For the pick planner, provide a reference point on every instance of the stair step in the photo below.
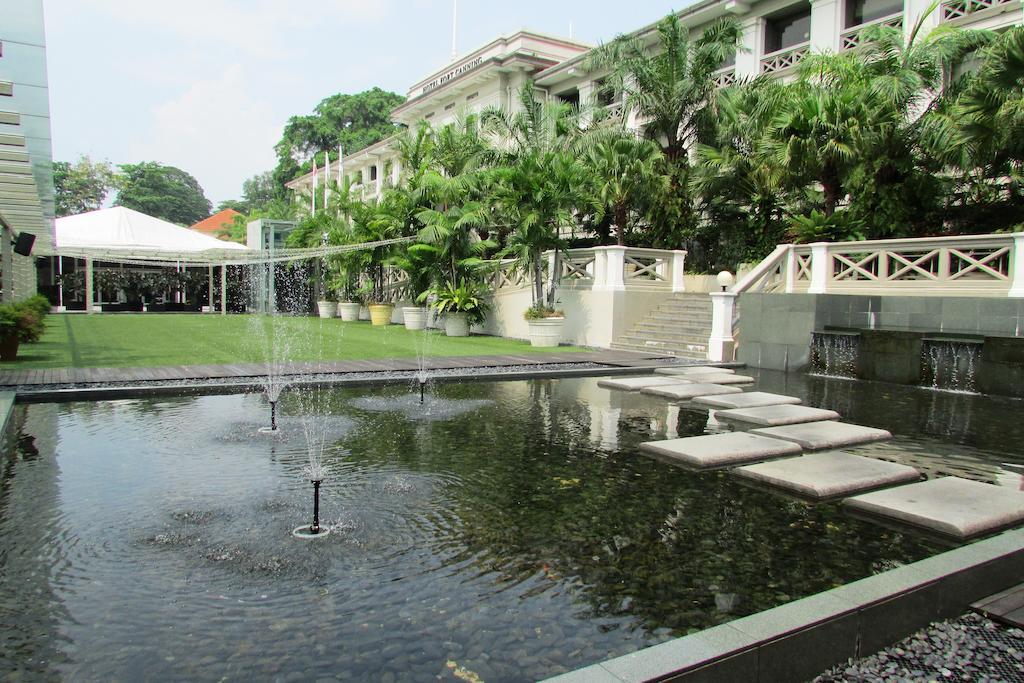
(665, 337)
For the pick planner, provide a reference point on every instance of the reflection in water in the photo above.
(519, 538)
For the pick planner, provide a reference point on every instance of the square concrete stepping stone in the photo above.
(815, 436)
(751, 399)
(638, 383)
(694, 370)
(775, 416)
(684, 392)
(950, 506)
(829, 475)
(718, 378)
(720, 450)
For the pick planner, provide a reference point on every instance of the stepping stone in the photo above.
(829, 475)
(720, 450)
(775, 416)
(684, 392)
(815, 436)
(950, 506)
(638, 383)
(718, 378)
(751, 399)
(694, 370)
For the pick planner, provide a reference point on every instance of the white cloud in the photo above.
(219, 130)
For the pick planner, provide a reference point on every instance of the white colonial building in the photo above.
(776, 35)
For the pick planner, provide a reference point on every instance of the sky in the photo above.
(208, 85)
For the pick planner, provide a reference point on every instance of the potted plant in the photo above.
(18, 323)
(461, 305)
(326, 306)
(418, 265)
(546, 324)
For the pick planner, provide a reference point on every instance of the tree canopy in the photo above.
(81, 186)
(162, 191)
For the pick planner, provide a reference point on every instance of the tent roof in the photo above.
(119, 228)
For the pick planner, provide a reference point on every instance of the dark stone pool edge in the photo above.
(7, 399)
(99, 392)
(799, 640)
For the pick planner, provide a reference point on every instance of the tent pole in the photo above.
(223, 290)
(209, 296)
(88, 286)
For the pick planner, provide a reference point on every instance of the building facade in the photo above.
(776, 36)
(26, 156)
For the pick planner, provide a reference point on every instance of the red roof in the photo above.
(215, 224)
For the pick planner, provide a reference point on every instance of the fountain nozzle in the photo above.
(314, 528)
(273, 416)
(423, 383)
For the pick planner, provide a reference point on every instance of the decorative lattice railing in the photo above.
(725, 77)
(852, 37)
(602, 267)
(958, 9)
(781, 60)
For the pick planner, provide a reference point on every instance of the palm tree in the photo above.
(626, 169)
(672, 88)
(451, 232)
(992, 107)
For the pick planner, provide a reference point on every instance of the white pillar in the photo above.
(223, 290)
(1017, 263)
(790, 273)
(614, 266)
(819, 268)
(826, 25)
(396, 171)
(7, 264)
(88, 286)
(678, 271)
(913, 10)
(721, 343)
(60, 284)
(748, 59)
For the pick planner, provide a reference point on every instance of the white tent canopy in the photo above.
(120, 229)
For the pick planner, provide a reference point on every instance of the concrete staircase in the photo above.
(680, 327)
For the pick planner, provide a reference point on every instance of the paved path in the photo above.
(49, 377)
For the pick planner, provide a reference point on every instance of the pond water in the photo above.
(506, 530)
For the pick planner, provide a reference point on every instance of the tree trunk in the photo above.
(538, 278)
(832, 190)
(620, 223)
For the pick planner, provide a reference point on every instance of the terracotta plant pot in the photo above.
(348, 311)
(380, 314)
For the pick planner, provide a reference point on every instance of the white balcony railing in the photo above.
(852, 37)
(725, 77)
(784, 59)
(958, 9)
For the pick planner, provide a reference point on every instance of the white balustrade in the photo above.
(604, 268)
(968, 266)
(852, 37)
(959, 9)
(784, 59)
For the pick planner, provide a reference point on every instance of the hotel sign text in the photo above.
(437, 82)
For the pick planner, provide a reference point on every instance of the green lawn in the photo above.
(140, 340)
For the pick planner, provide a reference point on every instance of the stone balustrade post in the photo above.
(678, 271)
(609, 266)
(1017, 274)
(721, 343)
(820, 263)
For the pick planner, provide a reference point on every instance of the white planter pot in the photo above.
(546, 331)
(364, 313)
(348, 311)
(415, 317)
(456, 325)
(325, 309)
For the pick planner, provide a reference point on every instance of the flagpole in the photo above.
(313, 193)
(327, 177)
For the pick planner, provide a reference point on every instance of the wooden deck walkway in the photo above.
(53, 377)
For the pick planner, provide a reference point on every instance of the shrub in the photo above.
(20, 320)
(540, 312)
(38, 303)
(465, 297)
